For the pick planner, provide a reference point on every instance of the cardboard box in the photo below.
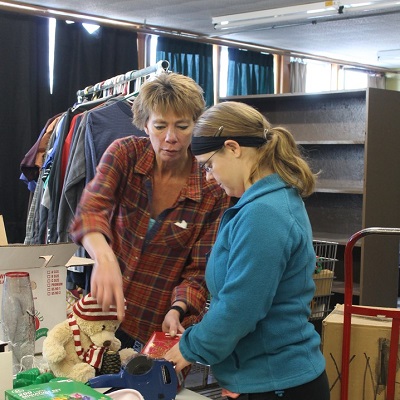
(369, 355)
(158, 344)
(46, 265)
(58, 389)
(6, 376)
(3, 235)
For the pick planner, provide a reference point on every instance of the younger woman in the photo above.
(256, 335)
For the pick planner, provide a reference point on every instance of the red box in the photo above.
(156, 347)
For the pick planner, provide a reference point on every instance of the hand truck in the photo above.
(350, 309)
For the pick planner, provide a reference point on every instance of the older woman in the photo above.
(149, 216)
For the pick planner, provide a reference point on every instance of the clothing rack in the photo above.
(119, 80)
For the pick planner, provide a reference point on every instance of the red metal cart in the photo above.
(350, 309)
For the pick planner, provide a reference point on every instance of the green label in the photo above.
(41, 333)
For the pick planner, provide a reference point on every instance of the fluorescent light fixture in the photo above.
(302, 12)
(389, 56)
(321, 10)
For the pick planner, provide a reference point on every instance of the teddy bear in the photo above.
(75, 347)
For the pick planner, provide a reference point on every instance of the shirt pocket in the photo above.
(178, 237)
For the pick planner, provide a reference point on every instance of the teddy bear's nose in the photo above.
(107, 343)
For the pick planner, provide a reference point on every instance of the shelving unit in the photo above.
(353, 139)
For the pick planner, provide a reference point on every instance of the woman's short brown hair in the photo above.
(168, 92)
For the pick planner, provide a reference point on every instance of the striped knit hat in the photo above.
(88, 309)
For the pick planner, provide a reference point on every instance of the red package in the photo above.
(156, 347)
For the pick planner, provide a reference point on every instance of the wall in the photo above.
(393, 81)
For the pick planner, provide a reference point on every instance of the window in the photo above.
(223, 71)
(52, 36)
(319, 77)
(153, 49)
(324, 76)
(351, 78)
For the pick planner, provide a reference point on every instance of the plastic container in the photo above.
(18, 319)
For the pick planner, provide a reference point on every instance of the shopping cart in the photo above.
(350, 309)
(323, 278)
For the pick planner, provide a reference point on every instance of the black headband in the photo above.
(206, 144)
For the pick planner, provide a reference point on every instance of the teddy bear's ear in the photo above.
(112, 326)
(88, 327)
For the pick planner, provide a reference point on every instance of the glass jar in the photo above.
(18, 319)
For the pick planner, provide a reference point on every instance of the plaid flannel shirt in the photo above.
(165, 263)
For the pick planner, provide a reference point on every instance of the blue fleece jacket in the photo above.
(256, 335)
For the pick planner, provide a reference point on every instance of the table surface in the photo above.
(186, 394)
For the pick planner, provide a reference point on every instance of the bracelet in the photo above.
(181, 311)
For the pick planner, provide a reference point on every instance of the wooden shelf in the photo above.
(350, 138)
(339, 186)
(338, 287)
(329, 142)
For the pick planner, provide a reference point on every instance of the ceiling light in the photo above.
(389, 56)
(321, 10)
(301, 12)
(360, 4)
(91, 28)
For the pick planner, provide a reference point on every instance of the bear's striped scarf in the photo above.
(94, 355)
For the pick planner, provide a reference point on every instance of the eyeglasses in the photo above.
(204, 165)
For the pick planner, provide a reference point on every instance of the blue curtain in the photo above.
(24, 107)
(249, 72)
(191, 59)
(82, 59)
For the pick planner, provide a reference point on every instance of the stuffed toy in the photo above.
(75, 348)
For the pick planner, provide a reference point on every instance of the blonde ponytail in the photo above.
(283, 156)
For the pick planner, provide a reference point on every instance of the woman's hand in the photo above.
(175, 356)
(171, 323)
(106, 286)
(106, 280)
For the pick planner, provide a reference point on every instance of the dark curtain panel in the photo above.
(82, 59)
(249, 72)
(190, 59)
(24, 109)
